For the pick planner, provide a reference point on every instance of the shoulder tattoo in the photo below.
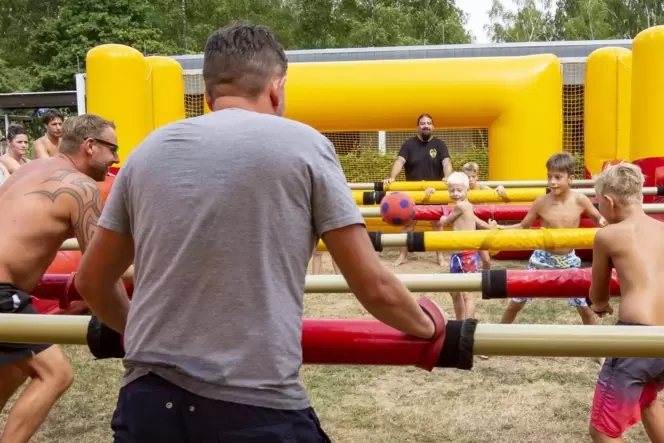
(86, 195)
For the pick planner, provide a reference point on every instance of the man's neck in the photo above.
(55, 140)
(229, 102)
(421, 139)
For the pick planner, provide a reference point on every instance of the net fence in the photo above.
(368, 156)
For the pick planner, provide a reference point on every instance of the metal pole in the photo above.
(325, 338)
(439, 185)
(322, 284)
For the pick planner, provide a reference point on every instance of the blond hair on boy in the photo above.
(624, 181)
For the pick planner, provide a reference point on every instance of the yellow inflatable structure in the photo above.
(519, 99)
(607, 108)
(138, 93)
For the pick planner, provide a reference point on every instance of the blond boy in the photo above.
(633, 244)
(471, 169)
(462, 218)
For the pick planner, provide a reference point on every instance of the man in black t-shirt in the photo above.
(427, 158)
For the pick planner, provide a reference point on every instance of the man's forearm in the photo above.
(109, 303)
(396, 168)
(394, 306)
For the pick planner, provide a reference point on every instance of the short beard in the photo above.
(425, 137)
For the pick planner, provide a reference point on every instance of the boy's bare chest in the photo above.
(561, 215)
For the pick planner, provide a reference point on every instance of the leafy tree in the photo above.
(60, 43)
(532, 21)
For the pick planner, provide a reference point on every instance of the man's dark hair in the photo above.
(15, 131)
(244, 57)
(51, 115)
(422, 116)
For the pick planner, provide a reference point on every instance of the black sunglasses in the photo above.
(113, 147)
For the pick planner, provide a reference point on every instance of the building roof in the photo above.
(572, 54)
(563, 49)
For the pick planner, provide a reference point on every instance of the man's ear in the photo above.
(207, 98)
(277, 86)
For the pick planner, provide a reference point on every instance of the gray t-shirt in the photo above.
(225, 211)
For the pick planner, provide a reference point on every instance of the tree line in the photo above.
(43, 43)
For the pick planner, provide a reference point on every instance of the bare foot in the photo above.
(399, 261)
(483, 357)
(599, 360)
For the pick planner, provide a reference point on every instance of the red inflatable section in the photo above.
(564, 283)
(561, 283)
(649, 168)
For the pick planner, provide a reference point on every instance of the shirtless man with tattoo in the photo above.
(43, 203)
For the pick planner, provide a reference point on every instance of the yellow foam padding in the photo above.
(647, 137)
(517, 98)
(507, 240)
(521, 195)
(607, 107)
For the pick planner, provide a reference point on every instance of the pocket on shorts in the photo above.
(278, 433)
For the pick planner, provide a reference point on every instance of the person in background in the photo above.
(472, 170)
(423, 158)
(48, 145)
(17, 149)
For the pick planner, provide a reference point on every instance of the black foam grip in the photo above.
(494, 284)
(379, 186)
(368, 198)
(458, 347)
(378, 197)
(415, 241)
(660, 191)
(376, 240)
(103, 341)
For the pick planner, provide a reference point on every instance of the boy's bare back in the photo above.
(635, 247)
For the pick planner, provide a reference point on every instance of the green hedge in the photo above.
(367, 165)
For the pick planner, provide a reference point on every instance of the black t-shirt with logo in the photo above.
(424, 160)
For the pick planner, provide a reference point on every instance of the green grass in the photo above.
(503, 399)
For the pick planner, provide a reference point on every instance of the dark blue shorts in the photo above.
(153, 410)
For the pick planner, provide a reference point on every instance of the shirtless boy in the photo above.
(633, 244)
(462, 218)
(44, 203)
(17, 149)
(48, 145)
(471, 169)
(562, 208)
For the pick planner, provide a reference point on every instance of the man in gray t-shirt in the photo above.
(220, 215)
